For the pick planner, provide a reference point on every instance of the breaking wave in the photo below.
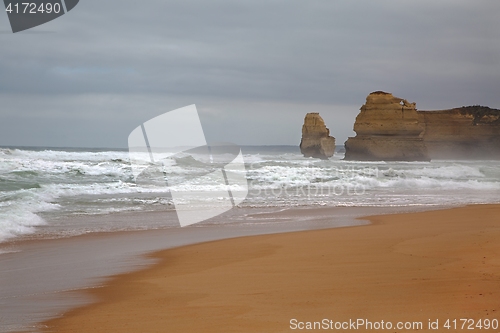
(38, 186)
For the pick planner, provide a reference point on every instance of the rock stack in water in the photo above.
(316, 140)
(387, 128)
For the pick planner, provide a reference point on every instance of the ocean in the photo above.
(42, 189)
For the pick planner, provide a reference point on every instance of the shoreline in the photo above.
(222, 281)
(43, 278)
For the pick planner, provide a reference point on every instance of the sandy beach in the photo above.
(415, 267)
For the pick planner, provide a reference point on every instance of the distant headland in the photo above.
(392, 129)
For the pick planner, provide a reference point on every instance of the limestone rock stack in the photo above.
(387, 128)
(316, 140)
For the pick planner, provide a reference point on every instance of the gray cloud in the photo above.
(254, 68)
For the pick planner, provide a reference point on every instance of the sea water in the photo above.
(41, 189)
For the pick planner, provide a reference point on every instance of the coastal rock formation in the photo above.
(471, 132)
(390, 128)
(316, 140)
(387, 128)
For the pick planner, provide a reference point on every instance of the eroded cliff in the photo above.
(390, 128)
(471, 132)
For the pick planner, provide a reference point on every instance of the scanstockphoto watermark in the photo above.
(156, 147)
(356, 324)
(316, 182)
(205, 180)
(450, 324)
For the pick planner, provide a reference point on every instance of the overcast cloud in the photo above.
(253, 68)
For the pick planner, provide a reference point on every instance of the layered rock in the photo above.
(390, 128)
(471, 132)
(316, 140)
(387, 128)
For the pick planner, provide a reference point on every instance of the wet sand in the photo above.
(415, 267)
(44, 278)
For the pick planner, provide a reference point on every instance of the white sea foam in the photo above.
(38, 185)
(20, 218)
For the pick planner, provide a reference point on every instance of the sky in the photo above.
(253, 68)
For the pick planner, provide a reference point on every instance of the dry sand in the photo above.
(435, 265)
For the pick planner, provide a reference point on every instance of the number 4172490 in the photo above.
(471, 324)
(33, 8)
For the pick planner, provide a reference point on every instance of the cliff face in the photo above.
(463, 133)
(316, 140)
(387, 128)
(390, 128)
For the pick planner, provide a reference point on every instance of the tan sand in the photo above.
(435, 265)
